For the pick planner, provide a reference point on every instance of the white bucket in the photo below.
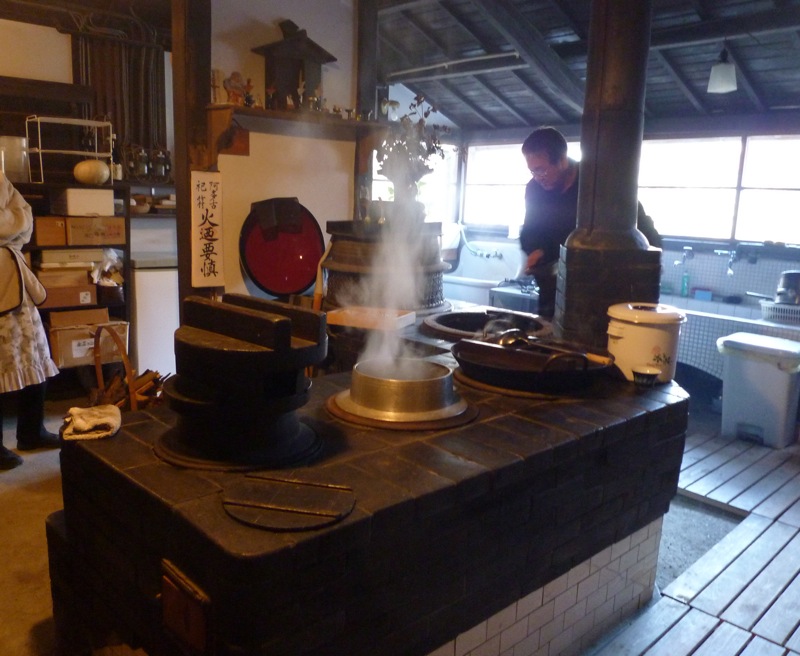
(645, 334)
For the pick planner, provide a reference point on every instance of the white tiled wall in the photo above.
(569, 614)
(709, 271)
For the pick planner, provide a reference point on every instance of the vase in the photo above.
(406, 207)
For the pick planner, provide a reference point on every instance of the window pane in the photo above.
(494, 193)
(769, 216)
(437, 189)
(772, 163)
(497, 165)
(702, 213)
(690, 163)
(501, 205)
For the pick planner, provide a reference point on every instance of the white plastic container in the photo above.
(760, 388)
(645, 334)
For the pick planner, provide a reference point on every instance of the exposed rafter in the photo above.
(387, 42)
(471, 30)
(686, 88)
(534, 49)
(743, 78)
(712, 31)
(499, 99)
(482, 65)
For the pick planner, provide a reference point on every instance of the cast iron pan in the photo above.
(280, 246)
(529, 369)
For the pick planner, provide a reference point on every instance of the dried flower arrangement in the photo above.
(410, 143)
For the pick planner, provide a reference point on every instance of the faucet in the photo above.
(688, 254)
(733, 257)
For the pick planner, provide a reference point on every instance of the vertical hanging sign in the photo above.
(207, 262)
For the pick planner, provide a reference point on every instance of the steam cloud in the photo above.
(395, 282)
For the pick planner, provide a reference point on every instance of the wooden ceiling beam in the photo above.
(680, 81)
(498, 96)
(710, 31)
(386, 41)
(515, 70)
(461, 68)
(396, 6)
(533, 49)
(743, 79)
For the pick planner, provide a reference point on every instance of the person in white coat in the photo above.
(25, 362)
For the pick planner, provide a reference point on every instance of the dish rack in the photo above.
(99, 136)
(780, 312)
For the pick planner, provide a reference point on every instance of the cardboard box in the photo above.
(68, 318)
(84, 202)
(72, 296)
(72, 337)
(50, 231)
(63, 277)
(68, 255)
(95, 230)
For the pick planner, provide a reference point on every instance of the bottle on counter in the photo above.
(685, 284)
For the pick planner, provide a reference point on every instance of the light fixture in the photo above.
(723, 75)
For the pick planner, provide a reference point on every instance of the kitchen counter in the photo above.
(449, 527)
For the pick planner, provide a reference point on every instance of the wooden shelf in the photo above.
(229, 127)
(40, 195)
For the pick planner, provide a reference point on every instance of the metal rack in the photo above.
(102, 133)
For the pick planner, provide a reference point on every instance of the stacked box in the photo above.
(84, 202)
(72, 337)
(95, 230)
(50, 231)
(70, 296)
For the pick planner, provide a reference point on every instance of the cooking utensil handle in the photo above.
(549, 348)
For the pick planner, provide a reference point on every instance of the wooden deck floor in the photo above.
(742, 598)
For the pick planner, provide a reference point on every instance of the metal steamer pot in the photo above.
(788, 292)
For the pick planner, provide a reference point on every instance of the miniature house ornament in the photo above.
(293, 67)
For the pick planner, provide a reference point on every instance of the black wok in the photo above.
(530, 368)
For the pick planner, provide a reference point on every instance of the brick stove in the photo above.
(425, 533)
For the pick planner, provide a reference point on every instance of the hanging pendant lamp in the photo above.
(723, 75)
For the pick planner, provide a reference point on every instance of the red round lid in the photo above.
(280, 246)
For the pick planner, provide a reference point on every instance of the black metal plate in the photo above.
(279, 504)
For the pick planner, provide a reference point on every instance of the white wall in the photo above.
(35, 52)
(319, 172)
(240, 25)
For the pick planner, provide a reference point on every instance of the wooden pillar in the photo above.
(191, 62)
(367, 57)
(367, 54)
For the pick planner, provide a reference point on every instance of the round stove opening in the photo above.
(401, 393)
(485, 323)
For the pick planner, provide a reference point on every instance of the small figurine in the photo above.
(236, 88)
(249, 98)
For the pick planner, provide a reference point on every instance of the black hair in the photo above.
(546, 140)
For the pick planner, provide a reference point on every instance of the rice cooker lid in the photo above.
(647, 313)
